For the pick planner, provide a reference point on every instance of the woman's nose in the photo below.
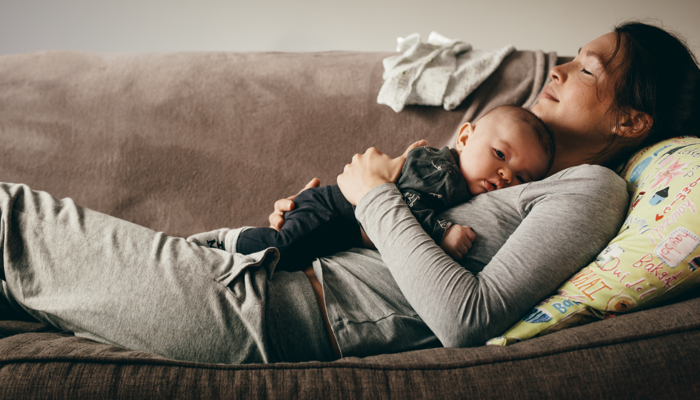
(558, 73)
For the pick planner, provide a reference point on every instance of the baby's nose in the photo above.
(505, 180)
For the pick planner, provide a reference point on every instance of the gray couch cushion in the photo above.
(644, 354)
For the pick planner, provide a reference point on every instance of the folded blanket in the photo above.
(440, 71)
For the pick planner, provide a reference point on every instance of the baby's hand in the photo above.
(457, 241)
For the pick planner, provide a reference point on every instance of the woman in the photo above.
(118, 283)
(623, 91)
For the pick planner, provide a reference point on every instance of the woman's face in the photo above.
(577, 101)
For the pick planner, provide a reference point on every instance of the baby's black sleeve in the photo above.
(425, 209)
(430, 183)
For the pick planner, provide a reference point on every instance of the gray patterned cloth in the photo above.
(438, 72)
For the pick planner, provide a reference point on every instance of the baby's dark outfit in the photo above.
(323, 221)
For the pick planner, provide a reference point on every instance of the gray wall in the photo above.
(318, 25)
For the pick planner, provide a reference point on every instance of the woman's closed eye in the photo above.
(588, 77)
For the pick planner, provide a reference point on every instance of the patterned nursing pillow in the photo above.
(655, 256)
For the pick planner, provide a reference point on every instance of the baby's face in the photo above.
(499, 152)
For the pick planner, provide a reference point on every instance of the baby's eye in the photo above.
(500, 155)
(586, 72)
(520, 179)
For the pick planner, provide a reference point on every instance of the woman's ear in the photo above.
(634, 124)
(464, 132)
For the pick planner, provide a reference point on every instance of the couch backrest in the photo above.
(187, 142)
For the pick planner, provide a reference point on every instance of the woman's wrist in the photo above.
(369, 199)
(355, 191)
(369, 170)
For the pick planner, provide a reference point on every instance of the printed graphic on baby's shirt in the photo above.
(411, 198)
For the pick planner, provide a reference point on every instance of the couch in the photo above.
(189, 142)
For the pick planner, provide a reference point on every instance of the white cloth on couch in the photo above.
(440, 71)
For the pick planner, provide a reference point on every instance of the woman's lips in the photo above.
(548, 94)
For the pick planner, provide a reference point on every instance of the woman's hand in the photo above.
(284, 205)
(371, 169)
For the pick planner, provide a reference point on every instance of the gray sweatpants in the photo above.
(119, 283)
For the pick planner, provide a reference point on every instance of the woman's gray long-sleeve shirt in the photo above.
(411, 295)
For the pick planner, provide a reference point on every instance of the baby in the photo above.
(506, 147)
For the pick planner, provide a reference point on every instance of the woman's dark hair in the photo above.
(658, 75)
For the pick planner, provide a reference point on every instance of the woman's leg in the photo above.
(119, 283)
(295, 325)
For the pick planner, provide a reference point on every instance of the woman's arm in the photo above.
(387, 172)
(558, 226)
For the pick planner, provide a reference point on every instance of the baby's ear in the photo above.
(464, 132)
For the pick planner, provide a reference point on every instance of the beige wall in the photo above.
(317, 25)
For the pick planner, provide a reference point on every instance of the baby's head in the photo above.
(506, 147)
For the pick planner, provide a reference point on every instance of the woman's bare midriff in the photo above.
(318, 292)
